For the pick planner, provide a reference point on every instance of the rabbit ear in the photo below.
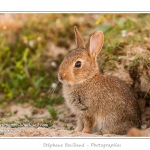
(79, 39)
(96, 43)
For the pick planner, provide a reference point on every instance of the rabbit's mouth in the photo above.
(66, 82)
(63, 79)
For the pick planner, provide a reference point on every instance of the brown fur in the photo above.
(137, 132)
(101, 103)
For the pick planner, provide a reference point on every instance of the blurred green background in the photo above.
(33, 45)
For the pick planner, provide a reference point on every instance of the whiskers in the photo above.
(52, 89)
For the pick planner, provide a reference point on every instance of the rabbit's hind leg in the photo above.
(118, 129)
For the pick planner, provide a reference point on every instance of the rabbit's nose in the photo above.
(61, 75)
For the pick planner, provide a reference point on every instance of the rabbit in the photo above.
(103, 104)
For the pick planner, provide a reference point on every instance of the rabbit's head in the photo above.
(80, 64)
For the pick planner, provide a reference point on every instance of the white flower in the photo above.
(53, 85)
(124, 33)
(31, 43)
(53, 64)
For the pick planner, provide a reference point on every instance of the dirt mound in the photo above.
(132, 66)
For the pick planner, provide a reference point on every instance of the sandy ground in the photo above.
(24, 114)
(28, 121)
(44, 132)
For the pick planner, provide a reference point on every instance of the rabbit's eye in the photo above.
(78, 64)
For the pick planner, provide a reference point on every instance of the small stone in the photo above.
(1, 132)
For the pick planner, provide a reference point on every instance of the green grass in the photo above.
(68, 128)
(53, 112)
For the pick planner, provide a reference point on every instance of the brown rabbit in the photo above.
(101, 103)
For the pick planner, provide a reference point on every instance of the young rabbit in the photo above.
(101, 103)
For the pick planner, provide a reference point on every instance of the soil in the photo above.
(24, 114)
(60, 128)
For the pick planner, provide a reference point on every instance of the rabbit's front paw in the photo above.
(78, 129)
(87, 130)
